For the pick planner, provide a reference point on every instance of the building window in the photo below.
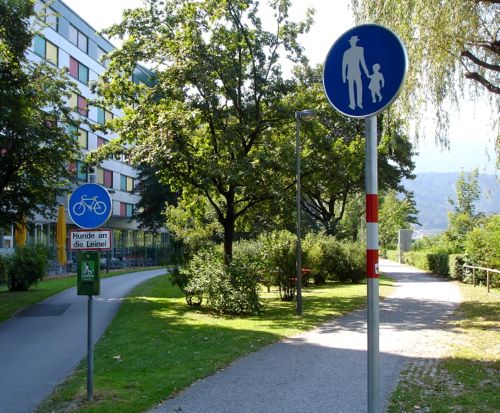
(83, 138)
(46, 14)
(46, 49)
(78, 38)
(81, 171)
(101, 141)
(99, 176)
(126, 210)
(82, 135)
(101, 57)
(78, 70)
(126, 183)
(108, 178)
(79, 103)
(104, 116)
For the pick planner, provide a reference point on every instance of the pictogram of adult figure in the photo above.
(353, 58)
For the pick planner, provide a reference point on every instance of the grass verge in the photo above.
(12, 302)
(157, 345)
(468, 379)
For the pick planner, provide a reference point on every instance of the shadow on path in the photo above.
(325, 370)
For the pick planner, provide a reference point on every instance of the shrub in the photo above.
(312, 257)
(436, 263)
(354, 268)
(392, 255)
(26, 267)
(331, 259)
(3, 269)
(227, 289)
(482, 244)
(455, 264)
(278, 259)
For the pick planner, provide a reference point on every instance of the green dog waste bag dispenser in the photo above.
(88, 282)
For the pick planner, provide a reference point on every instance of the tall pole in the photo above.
(371, 190)
(298, 262)
(90, 353)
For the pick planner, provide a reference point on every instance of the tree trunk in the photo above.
(228, 224)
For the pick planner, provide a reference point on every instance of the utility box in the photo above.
(404, 242)
(88, 282)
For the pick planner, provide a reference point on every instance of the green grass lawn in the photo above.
(12, 302)
(157, 345)
(468, 379)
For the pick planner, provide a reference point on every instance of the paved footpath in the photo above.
(41, 345)
(325, 370)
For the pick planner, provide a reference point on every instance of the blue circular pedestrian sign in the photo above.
(90, 206)
(365, 70)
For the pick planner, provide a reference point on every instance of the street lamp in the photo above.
(306, 116)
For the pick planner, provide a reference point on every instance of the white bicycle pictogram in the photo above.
(89, 203)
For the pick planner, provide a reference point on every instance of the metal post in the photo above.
(90, 353)
(371, 181)
(299, 243)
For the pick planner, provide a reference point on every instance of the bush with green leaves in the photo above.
(226, 289)
(279, 261)
(392, 255)
(330, 259)
(482, 244)
(436, 263)
(354, 262)
(456, 265)
(3, 269)
(312, 256)
(26, 267)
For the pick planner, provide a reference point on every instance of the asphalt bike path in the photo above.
(41, 345)
(325, 370)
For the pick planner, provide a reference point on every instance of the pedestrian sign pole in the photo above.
(363, 74)
(90, 207)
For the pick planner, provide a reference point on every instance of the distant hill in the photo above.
(432, 191)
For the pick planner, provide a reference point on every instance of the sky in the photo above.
(471, 131)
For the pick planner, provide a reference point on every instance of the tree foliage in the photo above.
(207, 123)
(155, 197)
(35, 146)
(482, 244)
(333, 153)
(395, 214)
(463, 218)
(449, 43)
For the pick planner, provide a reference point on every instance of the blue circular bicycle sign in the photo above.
(90, 206)
(365, 70)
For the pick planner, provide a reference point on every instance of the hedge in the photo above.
(392, 255)
(436, 263)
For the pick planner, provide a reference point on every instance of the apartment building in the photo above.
(67, 41)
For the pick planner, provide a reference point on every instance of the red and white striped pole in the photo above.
(371, 190)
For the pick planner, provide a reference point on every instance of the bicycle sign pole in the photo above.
(89, 207)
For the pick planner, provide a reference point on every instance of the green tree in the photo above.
(155, 197)
(448, 42)
(35, 146)
(334, 155)
(463, 218)
(395, 214)
(207, 123)
(482, 244)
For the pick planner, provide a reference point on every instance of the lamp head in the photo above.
(305, 115)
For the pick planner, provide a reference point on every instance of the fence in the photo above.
(488, 271)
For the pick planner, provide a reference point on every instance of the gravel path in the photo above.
(324, 370)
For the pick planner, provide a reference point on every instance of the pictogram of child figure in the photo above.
(376, 83)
